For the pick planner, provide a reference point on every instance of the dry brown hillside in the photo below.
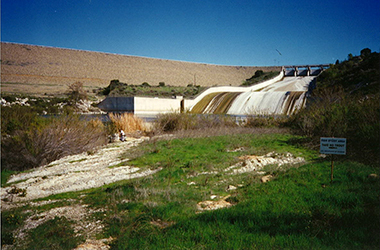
(38, 70)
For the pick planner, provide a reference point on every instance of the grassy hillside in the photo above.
(39, 70)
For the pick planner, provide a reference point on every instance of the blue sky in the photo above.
(225, 32)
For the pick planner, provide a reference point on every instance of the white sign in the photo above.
(333, 146)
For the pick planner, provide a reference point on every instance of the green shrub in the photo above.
(336, 114)
(145, 84)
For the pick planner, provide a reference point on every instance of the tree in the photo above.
(145, 84)
(76, 92)
(365, 52)
(259, 73)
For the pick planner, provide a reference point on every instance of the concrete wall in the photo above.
(154, 105)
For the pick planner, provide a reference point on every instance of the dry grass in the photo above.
(127, 122)
(39, 70)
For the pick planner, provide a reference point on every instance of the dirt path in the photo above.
(73, 173)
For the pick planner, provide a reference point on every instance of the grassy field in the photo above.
(298, 209)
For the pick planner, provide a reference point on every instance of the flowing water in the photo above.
(275, 98)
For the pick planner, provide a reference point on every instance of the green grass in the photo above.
(298, 209)
(5, 174)
(54, 234)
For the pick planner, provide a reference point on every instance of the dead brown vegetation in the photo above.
(127, 122)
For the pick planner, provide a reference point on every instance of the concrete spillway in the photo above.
(282, 95)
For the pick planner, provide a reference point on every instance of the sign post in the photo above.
(332, 146)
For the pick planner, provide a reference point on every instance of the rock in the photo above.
(93, 245)
(266, 178)
(373, 176)
(231, 187)
(213, 205)
(250, 163)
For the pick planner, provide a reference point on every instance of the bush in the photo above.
(259, 76)
(44, 140)
(259, 73)
(265, 121)
(336, 114)
(145, 84)
(76, 92)
(175, 121)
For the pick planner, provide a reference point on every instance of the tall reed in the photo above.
(127, 122)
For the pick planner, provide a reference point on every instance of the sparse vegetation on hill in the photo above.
(260, 76)
(346, 104)
(117, 88)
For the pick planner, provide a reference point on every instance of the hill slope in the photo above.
(38, 70)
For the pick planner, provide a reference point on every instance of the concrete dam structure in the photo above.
(281, 95)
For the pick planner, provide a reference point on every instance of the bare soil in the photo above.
(40, 70)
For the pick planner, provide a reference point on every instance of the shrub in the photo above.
(76, 92)
(265, 121)
(145, 84)
(335, 114)
(46, 140)
(259, 73)
(259, 76)
(187, 121)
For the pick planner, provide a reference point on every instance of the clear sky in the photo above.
(225, 32)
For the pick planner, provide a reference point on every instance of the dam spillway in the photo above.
(279, 96)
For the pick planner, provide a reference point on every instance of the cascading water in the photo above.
(272, 97)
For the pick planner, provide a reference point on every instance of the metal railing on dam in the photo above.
(304, 70)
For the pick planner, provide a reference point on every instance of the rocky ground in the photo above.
(73, 173)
